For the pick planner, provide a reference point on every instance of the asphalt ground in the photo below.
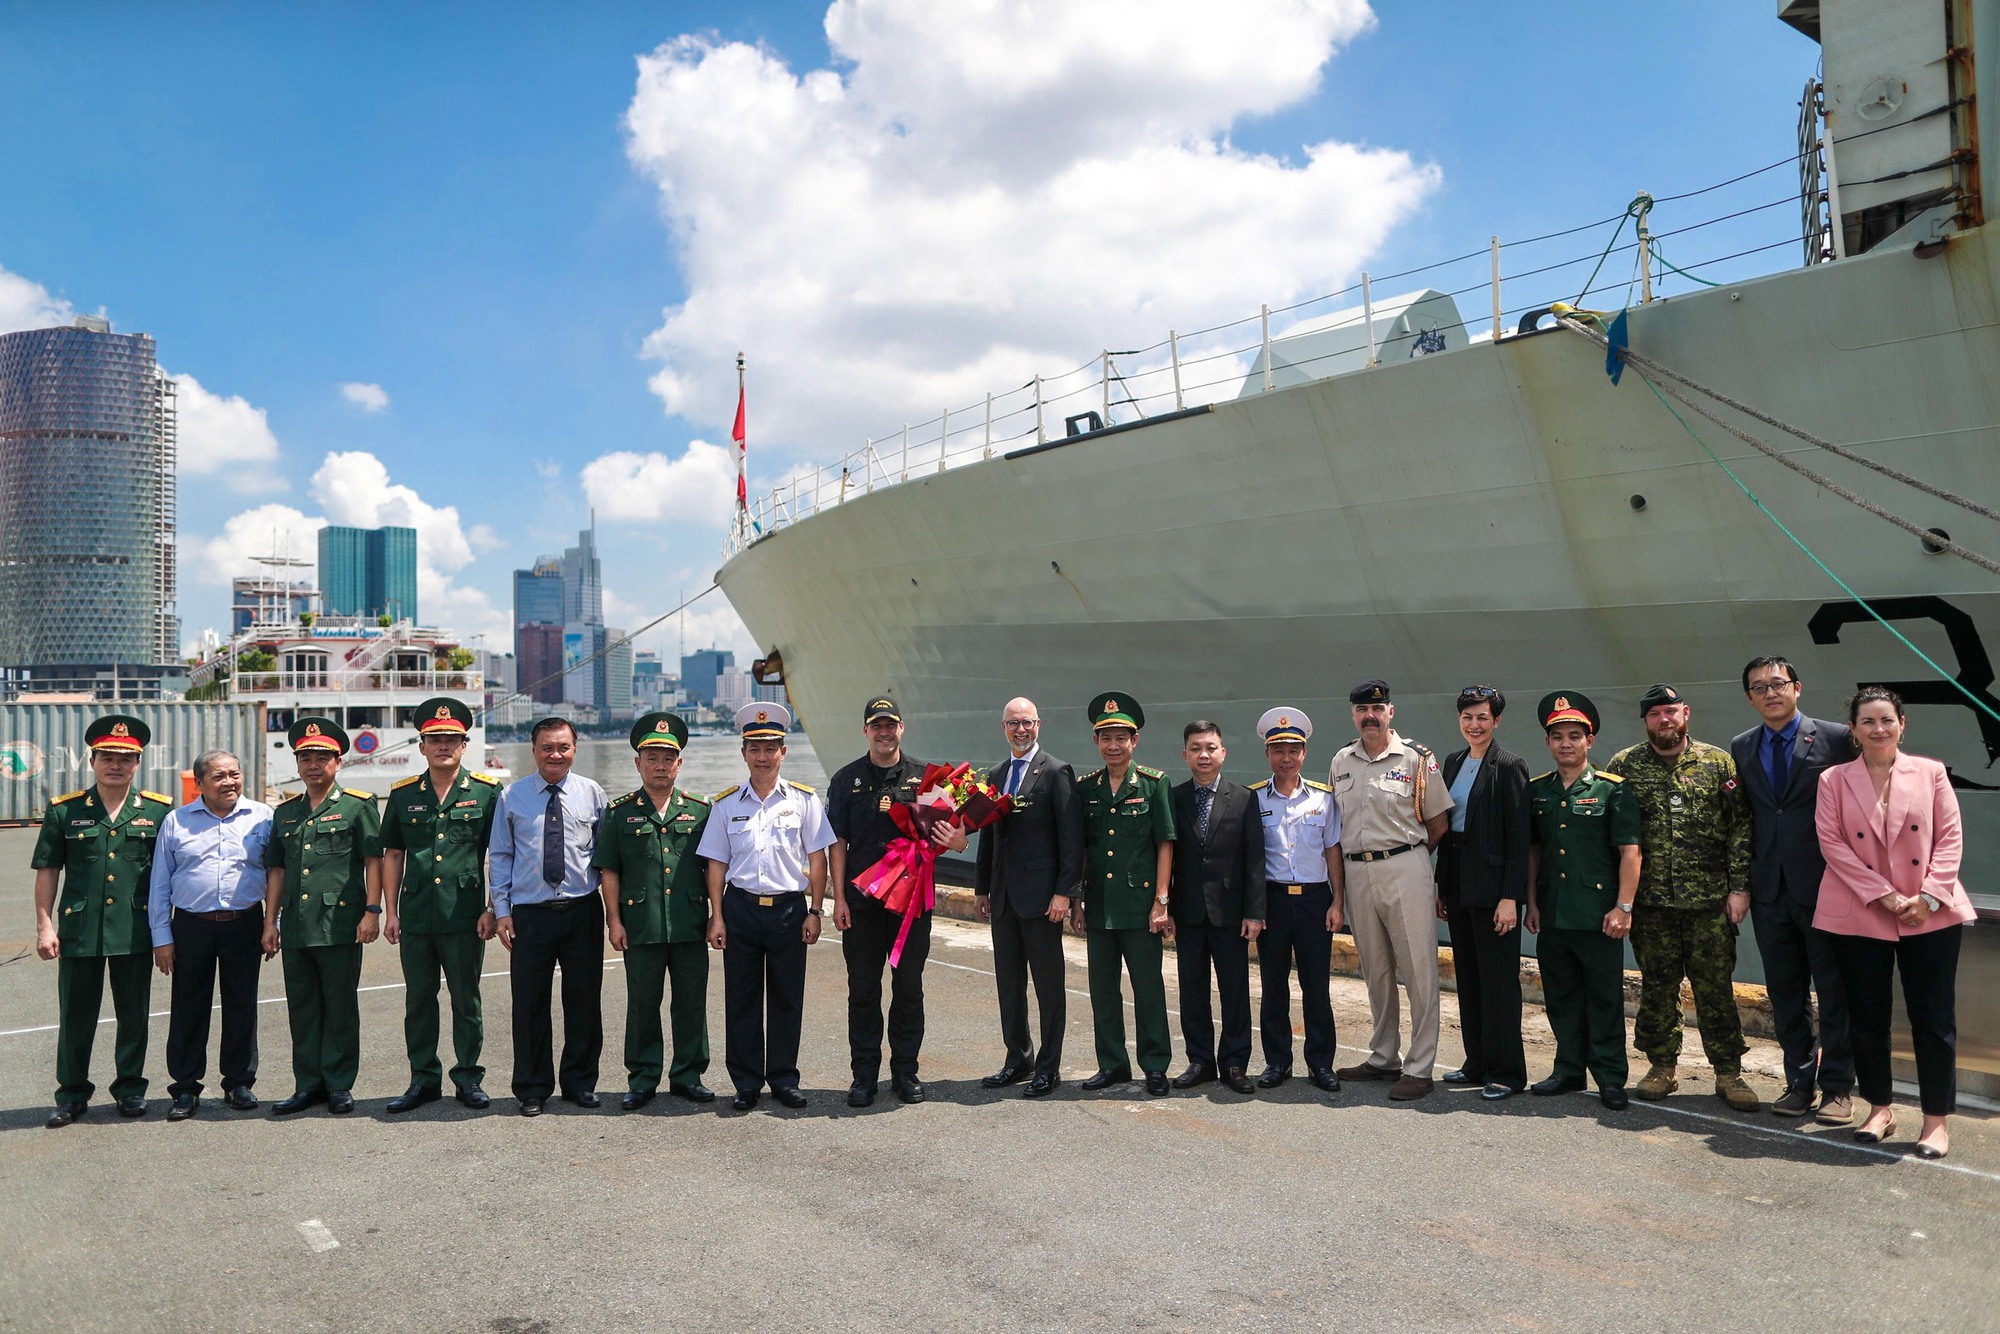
(977, 1209)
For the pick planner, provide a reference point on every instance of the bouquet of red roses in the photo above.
(905, 880)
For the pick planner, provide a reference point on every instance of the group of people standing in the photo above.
(1842, 849)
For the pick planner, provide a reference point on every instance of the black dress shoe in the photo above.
(64, 1114)
(298, 1102)
(1157, 1083)
(861, 1093)
(692, 1092)
(1273, 1075)
(634, 1099)
(413, 1097)
(532, 1106)
(241, 1099)
(588, 1099)
(791, 1097)
(1615, 1098)
(135, 1105)
(1496, 1091)
(474, 1097)
(1104, 1079)
(743, 1102)
(1194, 1076)
(1237, 1081)
(184, 1107)
(1556, 1084)
(1005, 1075)
(1458, 1076)
(1327, 1080)
(909, 1089)
(1041, 1086)
(340, 1102)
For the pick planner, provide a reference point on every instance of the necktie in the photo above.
(552, 838)
(1014, 770)
(1781, 764)
(1203, 796)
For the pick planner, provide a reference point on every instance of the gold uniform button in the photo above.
(306, 870)
(110, 879)
(1562, 852)
(437, 880)
(109, 902)
(304, 898)
(112, 855)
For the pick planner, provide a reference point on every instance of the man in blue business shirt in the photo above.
(206, 912)
(547, 912)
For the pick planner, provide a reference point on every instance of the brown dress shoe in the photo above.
(1366, 1071)
(1237, 1081)
(1410, 1088)
(1835, 1111)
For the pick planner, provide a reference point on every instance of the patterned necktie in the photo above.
(552, 838)
(1781, 764)
(1014, 775)
(1203, 796)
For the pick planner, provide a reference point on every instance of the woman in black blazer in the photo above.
(1482, 877)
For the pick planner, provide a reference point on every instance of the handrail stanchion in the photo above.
(1496, 289)
(906, 453)
(868, 468)
(989, 425)
(1041, 435)
(944, 436)
(1174, 351)
(1269, 383)
(1368, 318)
(1106, 368)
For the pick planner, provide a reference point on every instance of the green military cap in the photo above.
(660, 729)
(1115, 708)
(1567, 706)
(443, 716)
(118, 732)
(317, 734)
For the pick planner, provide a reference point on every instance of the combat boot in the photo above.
(1658, 1083)
(1731, 1089)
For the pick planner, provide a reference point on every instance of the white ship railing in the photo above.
(1742, 227)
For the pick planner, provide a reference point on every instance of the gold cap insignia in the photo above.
(763, 717)
(1562, 701)
(1111, 706)
(443, 711)
(120, 729)
(312, 729)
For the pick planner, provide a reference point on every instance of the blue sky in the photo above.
(439, 201)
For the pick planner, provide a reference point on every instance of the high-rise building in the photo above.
(87, 510)
(649, 679)
(368, 571)
(700, 669)
(732, 689)
(583, 665)
(538, 593)
(538, 661)
(583, 580)
(615, 669)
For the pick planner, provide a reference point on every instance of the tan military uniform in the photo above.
(1390, 895)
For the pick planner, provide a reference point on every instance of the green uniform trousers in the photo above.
(647, 970)
(320, 998)
(79, 995)
(1140, 952)
(458, 955)
(1583, 989)
(1700, 945)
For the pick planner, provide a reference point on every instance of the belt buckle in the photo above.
(764, 900)
(1295, 890)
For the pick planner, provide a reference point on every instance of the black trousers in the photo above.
(763, 988)
(204, 951)
(1025, 947)
(1488, 966)
(546, 935)
(1798, 961)
(1929, 965)
(1295, 937)
(1202, 947)
(865, 945)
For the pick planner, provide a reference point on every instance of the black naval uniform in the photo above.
(857, 807)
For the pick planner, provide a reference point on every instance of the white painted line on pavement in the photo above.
(319, 1236)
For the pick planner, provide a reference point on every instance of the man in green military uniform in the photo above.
(1694, 889)
(99, 843)
(434, 901)
(1583, 875)
(322, 898)
(656, 909)
(1128, 859)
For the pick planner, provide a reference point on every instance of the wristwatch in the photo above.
(814, 912)
(1625, 908)
(1930, 902)
(373, 907)
(1161, 900)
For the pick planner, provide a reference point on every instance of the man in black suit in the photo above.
(1779, 764)
(1029, 865)
(1217, 906)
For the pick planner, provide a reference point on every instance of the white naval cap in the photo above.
(763, 721)
(1284, 724)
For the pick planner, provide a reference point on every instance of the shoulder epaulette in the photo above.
(802, 786)
(1318, 786)
(1085, 778)
(487, 779)
(1150, 772)
(399, 786)
(696, 797)
(620, 801)
(158, 796)
(728, 792)
(1539, 777)
(357, 792)
(71, 796)
(1419, 747)
(1260, 785)
(1611, 778)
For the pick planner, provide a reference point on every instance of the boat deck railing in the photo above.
(319, 682)
(1736, 228)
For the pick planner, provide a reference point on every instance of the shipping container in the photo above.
(42, 754)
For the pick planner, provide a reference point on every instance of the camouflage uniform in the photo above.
(1695, 846)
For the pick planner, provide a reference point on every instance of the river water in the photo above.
(708, 765)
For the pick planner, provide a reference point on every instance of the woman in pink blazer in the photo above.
(1888, 824)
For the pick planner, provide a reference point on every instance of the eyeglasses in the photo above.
(1771, 687)
(1024, 722)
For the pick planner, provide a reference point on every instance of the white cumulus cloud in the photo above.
(268, 530)
(26, 304)
(979, 192)
(698, 487)
(226, 437)
(367, 397)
